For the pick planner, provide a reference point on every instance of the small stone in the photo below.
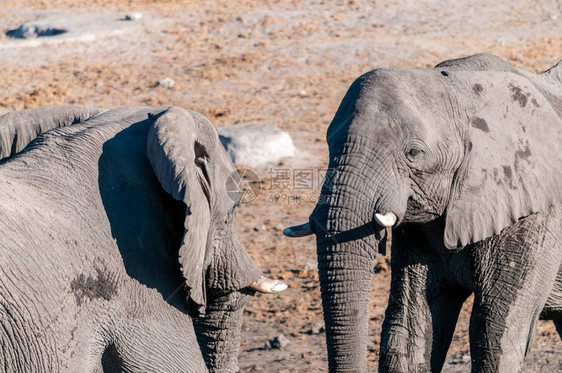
(302, 93)
(135, 16)
(318, 327)
(382, 267)
(466, 359)
(338, 16)
(311, 265)
(165, 82)
(278, 342)
(259, 227)
(268, 20)
(279, 227)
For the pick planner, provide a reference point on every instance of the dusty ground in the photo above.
(288, 62)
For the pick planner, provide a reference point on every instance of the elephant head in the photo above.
(191, 165)
(466, 149)
(187, 159)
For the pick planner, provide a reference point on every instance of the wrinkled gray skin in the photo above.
(113, 231)
(468, 155)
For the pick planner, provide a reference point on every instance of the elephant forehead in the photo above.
(403, 120)
(413, 100)
(404, 84)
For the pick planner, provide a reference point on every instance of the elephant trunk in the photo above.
(347, 240)
(345, 266)
(345, 285)
(218, 331)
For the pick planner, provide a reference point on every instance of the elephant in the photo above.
(459, 167)
(118, 243)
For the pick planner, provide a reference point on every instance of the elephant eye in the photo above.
(414, 152)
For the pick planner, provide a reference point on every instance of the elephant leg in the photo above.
(160, 343)
(508, 300)
(445, 309)
(420, 318)
(499, 343)
(139, 332)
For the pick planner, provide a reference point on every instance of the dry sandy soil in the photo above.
(287, 62)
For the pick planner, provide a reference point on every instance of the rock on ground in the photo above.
(44, 28)
(277, 343)
(165, 82)
(135, 16)
(30, 31)
(253, 145)
(318, 327)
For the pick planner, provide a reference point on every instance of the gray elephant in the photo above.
(464, 163)
(115, 227)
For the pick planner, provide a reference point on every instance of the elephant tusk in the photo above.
(387, 220)
(388, 239)
(267, 285)
(298, 230)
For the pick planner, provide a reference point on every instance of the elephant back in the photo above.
(19, 128)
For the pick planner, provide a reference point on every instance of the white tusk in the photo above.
(387, 220)
(298, 230)
(268, 285)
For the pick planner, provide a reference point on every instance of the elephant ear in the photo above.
(176, 158)
(513, 158)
